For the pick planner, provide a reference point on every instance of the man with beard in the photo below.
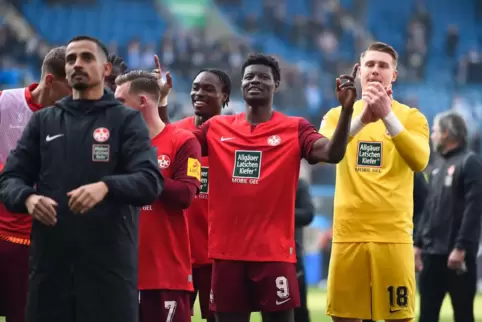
(92, 163)
(447, 239)
(16, 108)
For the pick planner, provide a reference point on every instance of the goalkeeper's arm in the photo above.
(411, 140)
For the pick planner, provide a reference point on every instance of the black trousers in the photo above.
(301, 313)
(436, 280)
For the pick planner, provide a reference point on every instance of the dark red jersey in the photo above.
(164, 251)
(197, 213)
(253, 177)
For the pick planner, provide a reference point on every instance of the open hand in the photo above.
(87, 197)
(346, 92)
(42, 209)
(378, 99)
(165, 86)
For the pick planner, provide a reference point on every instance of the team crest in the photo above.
(451, 170)
(163, 161)
(274, 140)
(101, 134)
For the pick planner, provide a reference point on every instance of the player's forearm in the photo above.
(163, 112)
(177, 193)
(414, 149)
(333, 151)
(356, 126)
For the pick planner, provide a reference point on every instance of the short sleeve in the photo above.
(307, 136)
(329, 122)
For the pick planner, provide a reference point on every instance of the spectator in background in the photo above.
(447, 239)
(452, 40)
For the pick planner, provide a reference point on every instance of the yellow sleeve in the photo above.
(413, 142)
(329, 122)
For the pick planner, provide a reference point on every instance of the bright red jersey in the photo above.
(164, 252)
(197, 213)
(16, 108)
(252, 184)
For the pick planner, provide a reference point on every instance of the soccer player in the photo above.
(165, 275)
(371, 274)
(16, 108)
(93, 164)
(254, 162)
(209, 94)
(119, 67)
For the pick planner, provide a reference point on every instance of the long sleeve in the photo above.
(413, 142)
(141, 181)
(304, 209)
(469, 232)
(181, 189)
(21, 169)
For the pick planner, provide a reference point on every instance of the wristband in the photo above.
(393, 124)
(356, 126)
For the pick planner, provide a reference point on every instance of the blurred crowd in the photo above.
(307, 90)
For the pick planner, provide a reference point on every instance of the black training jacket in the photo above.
(85, 267)
(453, 210)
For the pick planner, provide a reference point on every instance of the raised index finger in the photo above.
(157, 63)
(355, 70)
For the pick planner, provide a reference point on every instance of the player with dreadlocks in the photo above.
(119, 67)
(209, 94)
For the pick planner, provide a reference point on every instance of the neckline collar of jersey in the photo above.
(29, 99)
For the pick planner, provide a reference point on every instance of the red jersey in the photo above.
(15, 112)
(197, 213)
(253, 178)
(164, 252)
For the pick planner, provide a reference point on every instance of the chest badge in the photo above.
(163, 161)
(101, 134)
(274, 140)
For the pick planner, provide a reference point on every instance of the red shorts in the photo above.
(13, 280)
(165, 305)
(239, 286)
(201, 277)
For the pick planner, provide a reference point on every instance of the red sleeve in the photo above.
(183, 186)
(201, 134)
(307, 136)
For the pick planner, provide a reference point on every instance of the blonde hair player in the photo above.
(372, 268)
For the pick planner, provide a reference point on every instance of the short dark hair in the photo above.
(117, 61)
(54, 63)
(266, 60)
(384, 48)
(99, 43)
(454, 124)
(140, 81)
(224, 78)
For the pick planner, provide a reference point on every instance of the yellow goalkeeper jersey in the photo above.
(374, 181)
